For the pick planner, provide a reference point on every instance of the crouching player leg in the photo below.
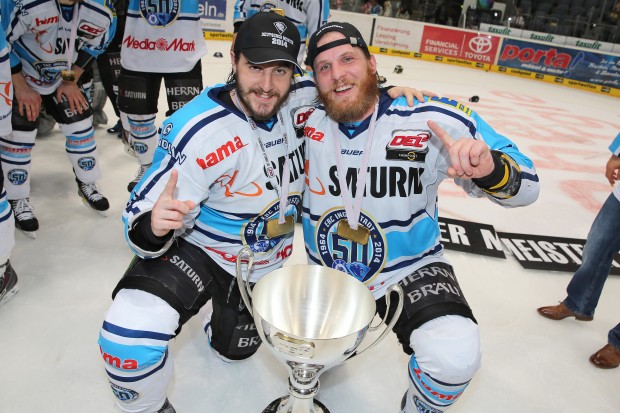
(152, 302)
(439, 331)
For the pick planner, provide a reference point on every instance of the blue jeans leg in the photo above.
(584, 289)
(614, 337)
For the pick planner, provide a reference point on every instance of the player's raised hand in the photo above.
(168, 212)
(470, 158)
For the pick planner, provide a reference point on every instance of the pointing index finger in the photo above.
(171, 185)
(443, 136)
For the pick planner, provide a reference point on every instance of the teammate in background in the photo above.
(44, 73)
(307, 15)
(370, 207)
(8, 277)
(162, 40)
(228, 172)
(586, 286)
(109, 63)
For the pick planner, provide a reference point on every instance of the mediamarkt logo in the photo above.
(178, 45)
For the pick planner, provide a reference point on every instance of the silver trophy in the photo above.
(311, 318)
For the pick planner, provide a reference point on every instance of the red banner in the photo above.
(475, 47)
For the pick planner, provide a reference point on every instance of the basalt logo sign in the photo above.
(476, 47)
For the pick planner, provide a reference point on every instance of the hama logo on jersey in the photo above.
(363, 262)
(124, 394)
(408, 145)
(45, 20)
(17, 176)
(300, 116)
(221, 153)
(313, 134)
(159, 13)
(255, 231)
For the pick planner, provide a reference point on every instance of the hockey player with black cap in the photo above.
(399, 155)
(229, 168)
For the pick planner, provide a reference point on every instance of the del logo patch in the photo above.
(408, 145)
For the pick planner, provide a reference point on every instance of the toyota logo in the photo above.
(480, 44)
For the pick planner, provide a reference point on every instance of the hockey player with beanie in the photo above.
(381, 224)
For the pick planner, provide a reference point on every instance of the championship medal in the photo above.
(275, 229)
(359, 235)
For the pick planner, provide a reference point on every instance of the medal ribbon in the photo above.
(281, 190)
(71, 47)
(353, 207)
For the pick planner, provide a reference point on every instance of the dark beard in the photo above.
(353, 111)
(259, 116)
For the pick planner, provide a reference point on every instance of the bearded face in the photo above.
(348, 99)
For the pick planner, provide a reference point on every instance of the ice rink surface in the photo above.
(50, 361)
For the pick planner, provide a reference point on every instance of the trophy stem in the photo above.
(290, 404)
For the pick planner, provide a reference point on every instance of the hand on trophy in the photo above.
(168, 212)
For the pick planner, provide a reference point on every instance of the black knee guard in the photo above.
(429, 292)
(137, 94)
(19, 122)
(234, 333)
(182, 87)
(180, 277)
(61, 111)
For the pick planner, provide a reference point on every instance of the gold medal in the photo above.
(359, 235)
(275, 229)
(278, 11)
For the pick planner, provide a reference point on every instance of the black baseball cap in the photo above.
(352, 36)
(268, 37)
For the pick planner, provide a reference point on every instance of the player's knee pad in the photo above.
(134, 95)
(21, 122)
(233, 332)
(133, 342)
(61, 110)
(180, 277)
(180, 91)
(446, 356)
(448, 348)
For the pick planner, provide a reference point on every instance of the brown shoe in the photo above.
(606, 358)
(560, 312)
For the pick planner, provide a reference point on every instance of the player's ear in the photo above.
(233, 61)
(373, 64)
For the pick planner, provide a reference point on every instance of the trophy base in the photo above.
(275, 405)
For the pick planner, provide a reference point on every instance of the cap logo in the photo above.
(280, 27)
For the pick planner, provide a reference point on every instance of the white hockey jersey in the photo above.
(407, 164)
(163, 36)
(222, 169)
(308, 15)
(38, 35)
(6, 89)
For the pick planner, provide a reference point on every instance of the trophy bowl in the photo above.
(311, 318)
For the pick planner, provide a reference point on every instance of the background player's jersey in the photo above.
(222, 169)
(308, 15)
(163, 36)
(6, 89)
(38, 36)
(407, 164)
